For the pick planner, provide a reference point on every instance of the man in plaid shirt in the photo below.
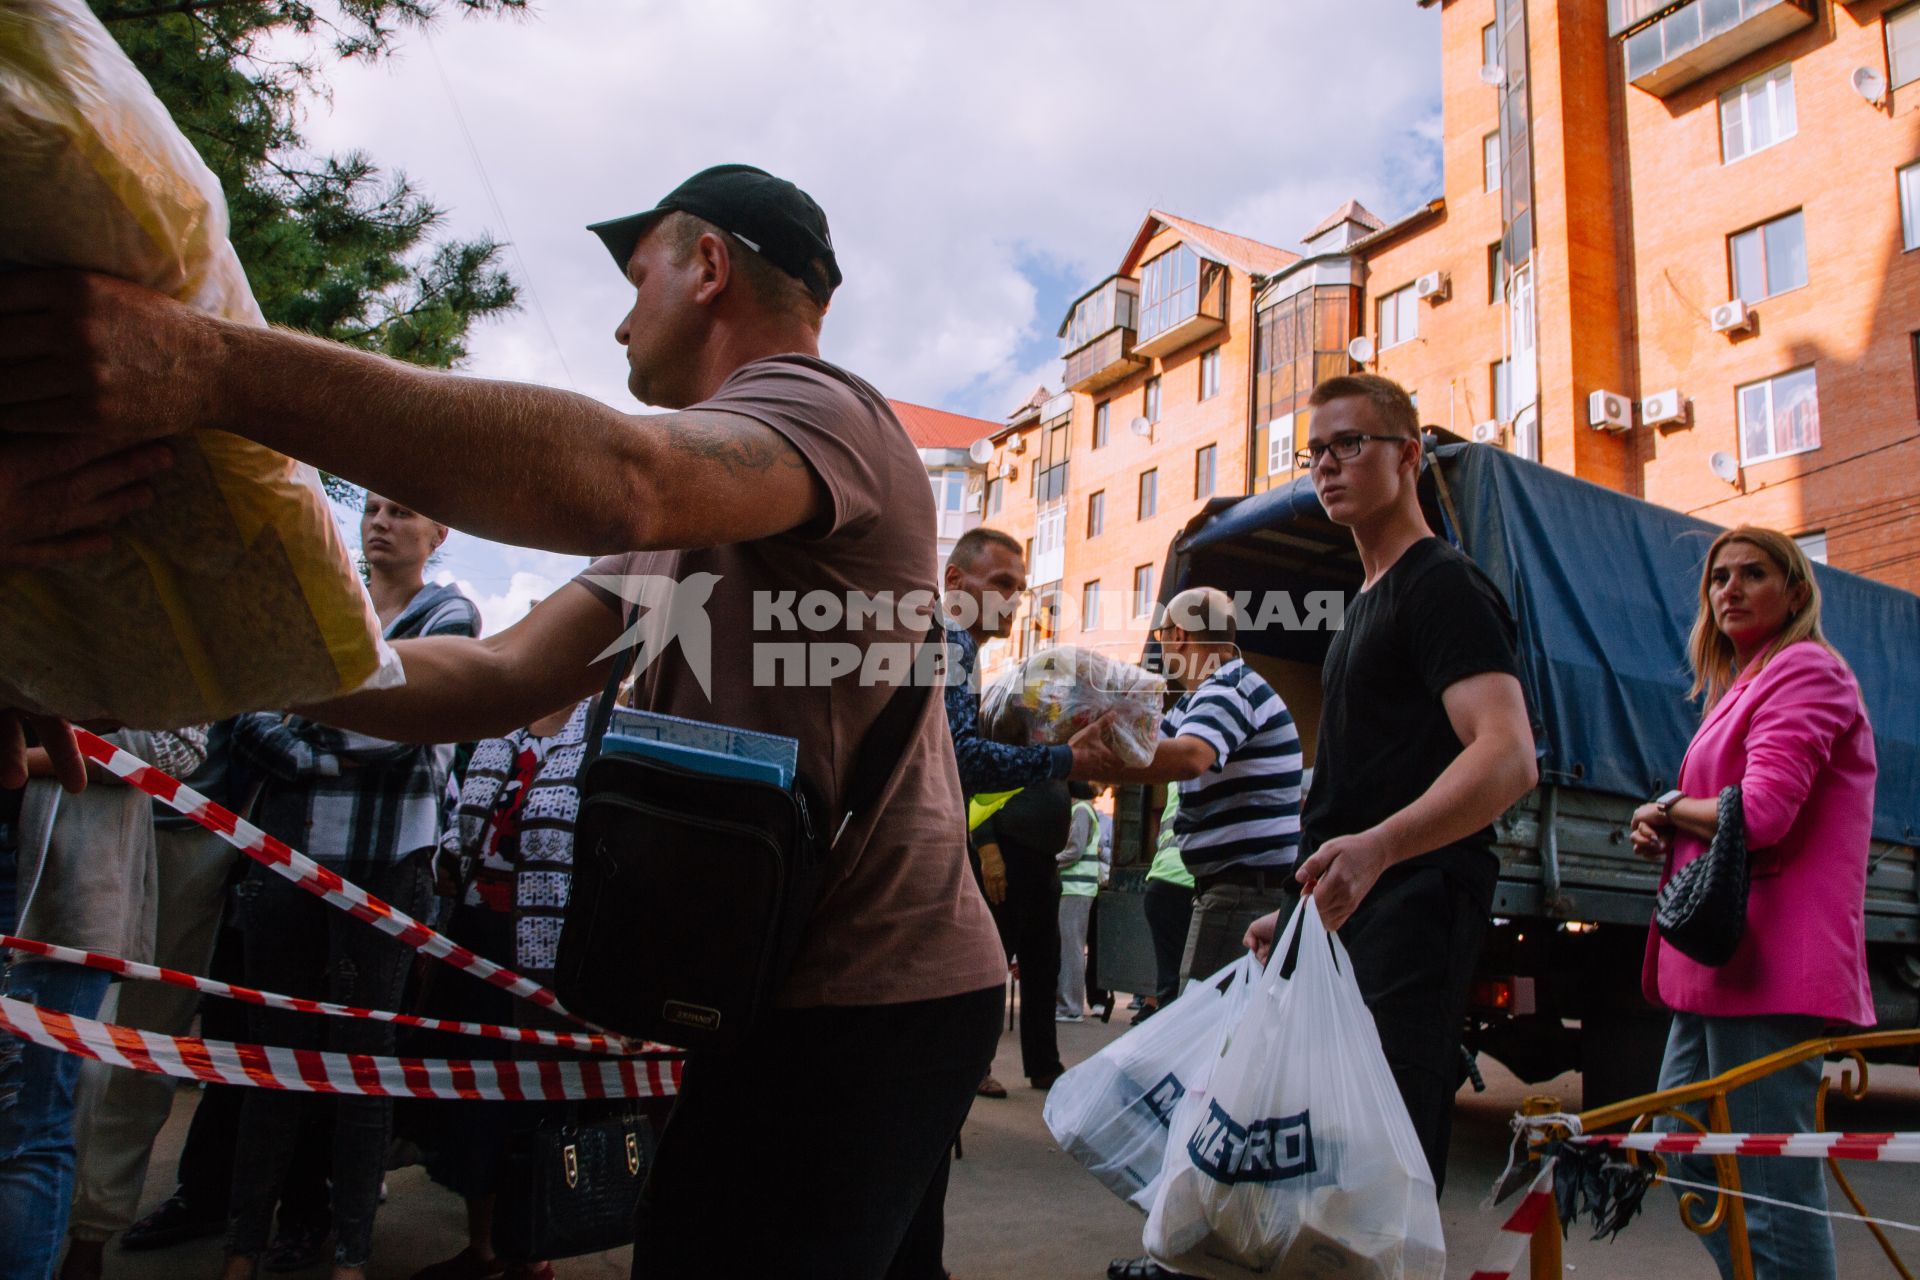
(370, 810)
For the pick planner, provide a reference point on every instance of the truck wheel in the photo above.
(1620, 1052)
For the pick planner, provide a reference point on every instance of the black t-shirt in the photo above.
(1431, 620)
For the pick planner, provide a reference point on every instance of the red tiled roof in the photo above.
(1250, 256)
(1351, 211)
(938, 429)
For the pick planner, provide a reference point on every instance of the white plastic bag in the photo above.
(1059, 691)
(1299, 1159)
(1111, 1112)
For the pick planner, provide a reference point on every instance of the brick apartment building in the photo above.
(1671, 255)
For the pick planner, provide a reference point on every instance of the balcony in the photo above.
(1697, 39)
(1096, 340)
(1184, 298)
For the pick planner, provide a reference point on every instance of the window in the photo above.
(1143, 591)
(1903, 45)
(1501, 376)
(1090, 606)
(949, 500)
(1814, 543)
(1096, 513)
(1779, 416)
(996, 495)
(1210, 373)
(1149, 493)
(1399, 318)
(1169, 290)
(1150, 399)
(1100, 425)
(1757, 114)
(1203, 467)
(1490, 45)
(1770, 258)
(1490, 161)
(1280, 444)
(1496, 272)
(1910, 205)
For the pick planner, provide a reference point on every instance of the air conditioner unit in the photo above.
(1435, 286)
(1008, 471)
(972, 503)
(1017, 445)
(1609, 411)
(1663, 407)
(1489, 432)
(1731, 317)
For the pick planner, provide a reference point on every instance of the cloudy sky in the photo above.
(981, 163)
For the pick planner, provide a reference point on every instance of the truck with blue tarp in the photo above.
(1604, 588)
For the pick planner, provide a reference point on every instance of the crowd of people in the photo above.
(776, 470)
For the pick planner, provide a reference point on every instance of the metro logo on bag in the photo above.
(1264, 1151)
(1163, 1098)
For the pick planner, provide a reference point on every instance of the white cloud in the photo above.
(954, 147)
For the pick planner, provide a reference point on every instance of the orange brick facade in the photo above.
(1633, 207)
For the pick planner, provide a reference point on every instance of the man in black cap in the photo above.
(821, 1149)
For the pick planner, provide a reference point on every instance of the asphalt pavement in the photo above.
(1020, 1209)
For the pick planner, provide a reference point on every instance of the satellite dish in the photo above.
(1493, 73)
(981, 451)
(1724, 466)
(1870, 84)
(1360, 350)
(1140, 427)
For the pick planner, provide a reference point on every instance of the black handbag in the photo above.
(1702, 910)
(692, 892)
(570, 1188)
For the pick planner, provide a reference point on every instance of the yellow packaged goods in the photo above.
(233, 591)
(1058, 692)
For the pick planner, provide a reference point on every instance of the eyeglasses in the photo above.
(1343, 448)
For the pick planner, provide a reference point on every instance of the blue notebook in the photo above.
(708, 748)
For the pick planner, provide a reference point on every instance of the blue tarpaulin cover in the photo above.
(1605, 589)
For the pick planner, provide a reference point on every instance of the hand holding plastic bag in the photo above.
(1300, 1159)
(1111, 1112)
(1059, 691)
(234, 590)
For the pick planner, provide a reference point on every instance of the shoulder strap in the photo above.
(884, 745)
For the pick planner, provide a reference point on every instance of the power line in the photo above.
(486, 184)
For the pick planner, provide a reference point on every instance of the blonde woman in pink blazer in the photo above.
(1784, 722)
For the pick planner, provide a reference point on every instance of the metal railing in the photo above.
(1727, 1208)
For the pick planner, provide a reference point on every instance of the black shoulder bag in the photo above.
(1702, 910)
(691, 892)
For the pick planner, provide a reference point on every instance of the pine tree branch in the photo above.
(163, 11)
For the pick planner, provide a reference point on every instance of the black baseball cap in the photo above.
(770, 215)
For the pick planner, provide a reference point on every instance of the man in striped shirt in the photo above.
(1231, 746)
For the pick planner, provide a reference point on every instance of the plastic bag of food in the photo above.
(233, 591)
(1058, 692)
(1111, 1112)
(1298, 1159)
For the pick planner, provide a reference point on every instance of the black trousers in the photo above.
(1169, 910)
(1413, 942)
(1029, 923)
(819, 1150)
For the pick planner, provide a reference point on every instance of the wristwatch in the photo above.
(1666, 802)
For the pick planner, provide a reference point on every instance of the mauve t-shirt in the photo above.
(900, 918)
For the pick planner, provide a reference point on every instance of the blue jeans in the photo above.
(1787, 1244)
(36, 1119)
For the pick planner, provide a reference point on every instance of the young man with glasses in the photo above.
(1424, 741)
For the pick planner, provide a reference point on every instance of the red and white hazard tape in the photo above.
(310, 1071)
(1504, 1255)
(584, 1043)
(309, 875)
(1888, 1147)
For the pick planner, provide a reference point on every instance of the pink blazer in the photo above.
(1795, 738)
